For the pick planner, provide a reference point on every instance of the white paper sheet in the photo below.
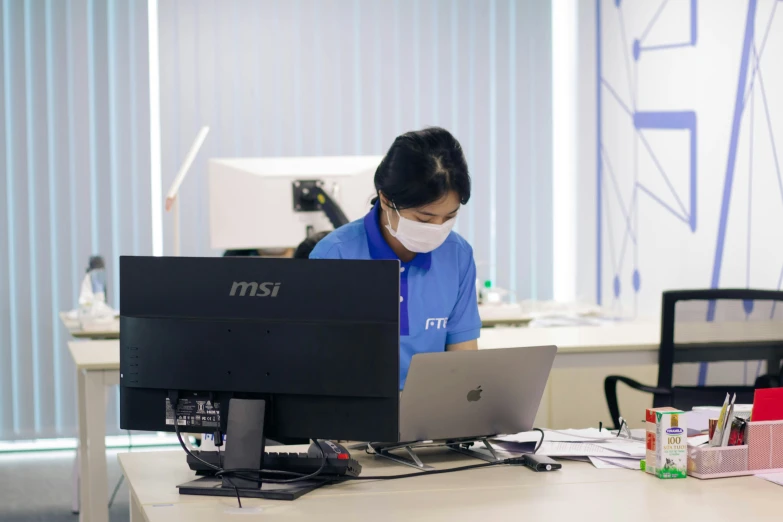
(622, 463)
(625, 447)
(775, 478)
(603, 464)
(566, 449)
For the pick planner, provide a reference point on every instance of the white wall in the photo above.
(667, 221)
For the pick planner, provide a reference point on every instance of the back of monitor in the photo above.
(251, 203)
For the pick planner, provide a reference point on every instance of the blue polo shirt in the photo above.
(437, 290)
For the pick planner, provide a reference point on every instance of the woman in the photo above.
(421, 185)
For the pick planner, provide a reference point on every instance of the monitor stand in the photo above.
(246, 431)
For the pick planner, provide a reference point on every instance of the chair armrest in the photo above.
(610, 391)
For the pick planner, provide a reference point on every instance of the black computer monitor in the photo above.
(316, 340)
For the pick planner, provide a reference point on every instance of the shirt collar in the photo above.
(380, 249)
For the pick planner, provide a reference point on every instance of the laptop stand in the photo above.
(461, 446)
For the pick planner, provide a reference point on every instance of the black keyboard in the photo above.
(282, 461)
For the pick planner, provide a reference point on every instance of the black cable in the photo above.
(122, 477)
(538, 446)
(220, 460)
(264, 472)
(116, 489)
(516, 461)
(239, 472)
(184, 446)
(236, 490)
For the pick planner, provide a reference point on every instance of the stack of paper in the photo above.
(603, 448)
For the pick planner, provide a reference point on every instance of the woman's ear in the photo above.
(384, 200)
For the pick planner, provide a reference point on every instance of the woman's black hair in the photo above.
(421, 167)
(307, 246)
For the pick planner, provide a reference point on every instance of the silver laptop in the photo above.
(467, 394)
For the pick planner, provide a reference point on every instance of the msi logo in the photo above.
(252, 289)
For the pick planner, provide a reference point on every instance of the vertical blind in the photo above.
(334, 77)
(74, 148)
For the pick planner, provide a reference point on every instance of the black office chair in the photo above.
(701, 326)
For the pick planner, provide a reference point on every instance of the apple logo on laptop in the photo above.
(475, 395)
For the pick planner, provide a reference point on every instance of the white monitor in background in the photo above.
(251, 200)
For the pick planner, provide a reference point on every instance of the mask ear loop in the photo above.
(388, 224)
(388, 218)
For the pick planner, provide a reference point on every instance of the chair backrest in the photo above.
(719, 326)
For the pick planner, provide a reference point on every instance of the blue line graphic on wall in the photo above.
(640, 122)
(744, 94)
(668, 191)
(672, 121)
(638, 44)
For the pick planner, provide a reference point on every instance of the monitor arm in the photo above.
(309, 196)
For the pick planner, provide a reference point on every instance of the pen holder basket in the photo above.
(706, 463)
(763, 453)
(765, 445)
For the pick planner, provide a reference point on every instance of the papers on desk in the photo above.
(585, 435)
(775, 478)
(698, 440)
(614, 463)
(589, 449)
(603, 448)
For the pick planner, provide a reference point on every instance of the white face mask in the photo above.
(419, 237)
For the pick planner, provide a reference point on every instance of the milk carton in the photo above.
(651, 437)
(671, 444)
(650, 446)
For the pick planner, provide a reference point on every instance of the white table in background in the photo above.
(621, 343)
(577, 492)
(97, 366)
(107, 330)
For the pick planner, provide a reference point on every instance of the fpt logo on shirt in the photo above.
(436, 322)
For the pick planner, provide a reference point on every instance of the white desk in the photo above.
(97, 366)
(578, 346)
(577, 492)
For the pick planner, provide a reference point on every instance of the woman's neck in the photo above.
(405, 255)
